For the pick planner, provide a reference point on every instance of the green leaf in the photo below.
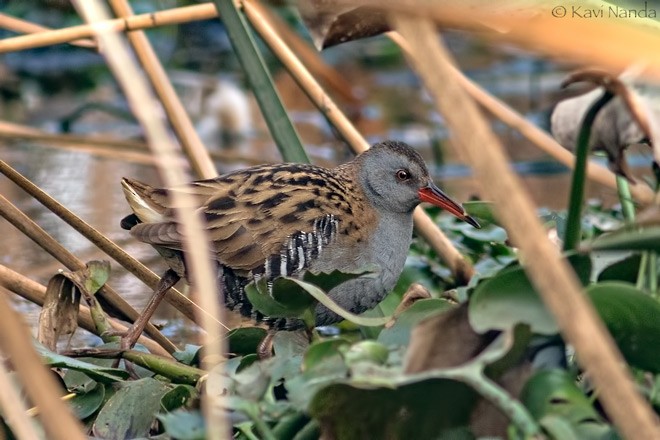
(178, 397)
(636, 240)
(189, 355)
(625, 270)
(553, 398)
(276, 117)
(399, 333)
(96, 372)
(288, 300)
(366, 351)
(86, 404)
(184, 425)
(632, 318)
(318, 353)
(131, 411)
(379, 402)
(98, 273)
(328, 281)
(245, 340)
(324, 299)
(509, 298)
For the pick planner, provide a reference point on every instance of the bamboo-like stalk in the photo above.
(183, 127)
(28, 227)
(27, 27)
(557, 284)
(142, 21)
(37, 381)
(174, 297)
(14, 409)
(459, 266)
(196, 245)
(597, 173)
(34, 292)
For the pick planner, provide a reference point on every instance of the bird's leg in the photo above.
(168, 280)
(265, 347)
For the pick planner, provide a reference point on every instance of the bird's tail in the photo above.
(148, 203)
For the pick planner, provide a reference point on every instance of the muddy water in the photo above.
(394, 106)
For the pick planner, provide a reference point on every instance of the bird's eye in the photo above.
(403, 175)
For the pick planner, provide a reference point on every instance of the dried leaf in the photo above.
(59, 315)
(414, 293)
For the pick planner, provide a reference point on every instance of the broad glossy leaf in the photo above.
(553, 398)
(625, 270)
(632, 318)
(184, 425)
(399, 333)
(178, 397)
(288, 300)
(509, 298)
(638, 239)
(99, 373)
(324, 299)
(86, 404)
(189, 355)
(131, 411)
(245, 340)
(366, 351)
(319, 352)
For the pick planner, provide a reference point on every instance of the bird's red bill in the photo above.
(434, 195)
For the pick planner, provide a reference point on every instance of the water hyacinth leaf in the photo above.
(184, 425)
(417, 410)
(635, 240)
(399, 333)
(324, 299)
(86, 404)
(59, 315)
(552, 396)
(189, 355)
(509, 298)
(318, 353)
(625, 270)
(245, 340)
(177, 397)
(328, 281)
(632, 318)
(99, 373)
(365, 351)
(131, 411)
(260, 299)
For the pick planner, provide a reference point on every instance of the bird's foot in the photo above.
(265, 347)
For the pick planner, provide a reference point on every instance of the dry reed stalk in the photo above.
(26, 27)
(38, 382)
(310, 57)
(555, 280)
(597, 173)
(195, 246)
(459, 266)
(174, 297)
(142, 21)
(14, 409)
(28, 227)
(189, 140)
(15, 283)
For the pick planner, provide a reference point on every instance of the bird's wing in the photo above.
(255, 214)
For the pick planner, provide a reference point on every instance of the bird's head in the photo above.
(395, 179)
